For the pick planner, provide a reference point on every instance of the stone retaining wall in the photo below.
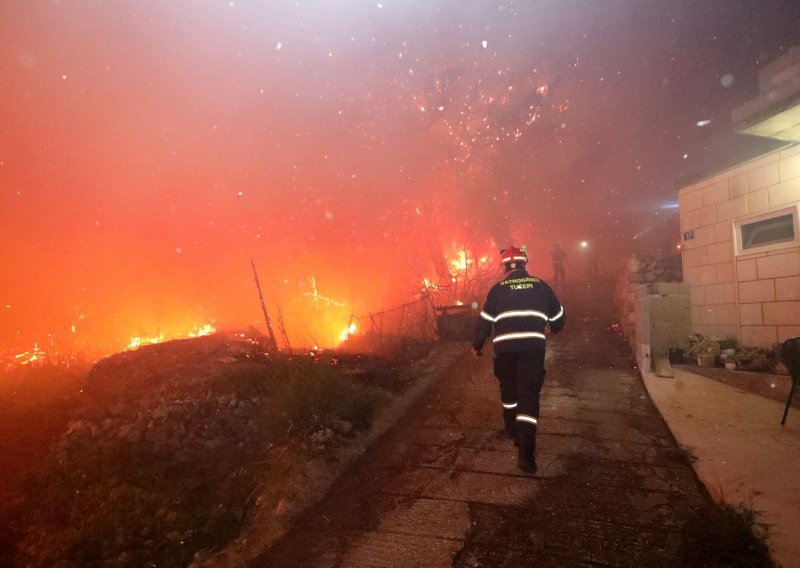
(654, 307)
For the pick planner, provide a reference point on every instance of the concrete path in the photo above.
(442, 488)
(743, 454)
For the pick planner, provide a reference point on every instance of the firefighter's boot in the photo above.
(510, 419)
(527, 447)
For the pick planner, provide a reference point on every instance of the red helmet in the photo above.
(513, 255)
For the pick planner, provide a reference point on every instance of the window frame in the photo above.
(794, 210)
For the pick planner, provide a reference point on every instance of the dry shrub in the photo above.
(725, 536)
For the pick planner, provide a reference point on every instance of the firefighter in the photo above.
(559, 258)
(518, 309)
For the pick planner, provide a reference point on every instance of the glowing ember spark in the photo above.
(29, 357)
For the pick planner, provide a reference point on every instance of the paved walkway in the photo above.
(442, 488)
(743, 454)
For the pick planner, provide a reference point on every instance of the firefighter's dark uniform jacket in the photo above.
(519, 308)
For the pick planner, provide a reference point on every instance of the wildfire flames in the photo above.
(347, 332)
(199, 331)
(453, 283)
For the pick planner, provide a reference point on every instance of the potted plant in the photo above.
(728, 360)
(704, 349)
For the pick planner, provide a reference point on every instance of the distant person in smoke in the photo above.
(559, 259)
(517, 311)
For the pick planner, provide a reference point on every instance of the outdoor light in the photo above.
(584, 244)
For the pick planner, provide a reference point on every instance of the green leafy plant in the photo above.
(700, 344)
(757, 359)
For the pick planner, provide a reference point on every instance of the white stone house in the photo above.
(740, 228)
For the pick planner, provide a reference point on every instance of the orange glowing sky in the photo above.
(150, 149)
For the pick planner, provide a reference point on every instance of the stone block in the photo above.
(708, 314)
(751, 314)
(757, 291)
(756, 164)
(715, 294)
(672, 289)
(727, 314)
(784, 193)
(723, 331)
(757, 201)
(789, 167)
(708, 215)
(706, 235)
(658, 308)
(720, 252)
(782, 313)
(697, 297)
(725, 272)
(669, 333)
(675, 308)
(661, 330)
(732, 209)
(695, 258)
(737, 185)
(717, 192)
(779, 265)
(787, 288)
(723, 231)
(789, 152)
(758, 335)
(708, 274)
(691, 276)
(763, 176)
(787, 331)
(690, 199)
(729, 293)
(746, 269)
(690, 220)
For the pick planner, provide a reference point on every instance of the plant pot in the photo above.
(706, 360)
(730, 365)
(675, 356)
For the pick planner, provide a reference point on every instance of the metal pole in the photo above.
(264, 307)
(788, 402)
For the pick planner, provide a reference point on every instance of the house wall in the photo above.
(754, 298)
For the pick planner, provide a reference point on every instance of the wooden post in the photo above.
(264, 308)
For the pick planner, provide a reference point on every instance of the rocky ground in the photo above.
(165, 453)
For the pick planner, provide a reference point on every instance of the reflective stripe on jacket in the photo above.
(517, 310)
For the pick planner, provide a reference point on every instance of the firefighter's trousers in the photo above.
(521, 376)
